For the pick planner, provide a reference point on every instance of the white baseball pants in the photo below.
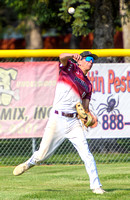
(57, 130)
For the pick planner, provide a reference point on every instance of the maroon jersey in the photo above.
(72, 87)
(73, 76)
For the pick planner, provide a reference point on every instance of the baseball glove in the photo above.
(85, 117)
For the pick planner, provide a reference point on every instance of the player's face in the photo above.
(87, 62)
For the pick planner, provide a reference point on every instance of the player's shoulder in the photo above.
(69, 64)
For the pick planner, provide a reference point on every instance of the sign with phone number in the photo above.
(113, 122)
(110, 100)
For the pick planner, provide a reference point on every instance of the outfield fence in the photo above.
(105, 150)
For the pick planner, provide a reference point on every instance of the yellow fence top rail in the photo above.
(17, 53)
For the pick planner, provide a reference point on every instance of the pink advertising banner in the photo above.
(26, 96)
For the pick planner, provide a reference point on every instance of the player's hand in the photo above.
(76, 57)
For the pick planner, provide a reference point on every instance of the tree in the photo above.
(79, 21)
(125, 19)
(7, 18)
(96, 16)
(31, 15)
(104, 25)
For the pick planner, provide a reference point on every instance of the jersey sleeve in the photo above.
(69, 63)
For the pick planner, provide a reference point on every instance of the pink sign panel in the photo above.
(26, 95)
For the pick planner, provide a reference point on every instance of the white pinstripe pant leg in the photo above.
(78, 139)
(53, 136)
(57, 129)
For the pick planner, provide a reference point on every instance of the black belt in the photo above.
(66, 114)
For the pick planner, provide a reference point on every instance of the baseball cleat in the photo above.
(20, 169)
(98, 191)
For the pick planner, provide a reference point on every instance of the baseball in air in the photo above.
(71, 10)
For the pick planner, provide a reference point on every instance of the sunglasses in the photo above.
(89, 58)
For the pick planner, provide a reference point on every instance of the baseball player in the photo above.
(73, 87)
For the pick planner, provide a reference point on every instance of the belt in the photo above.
(66, 114)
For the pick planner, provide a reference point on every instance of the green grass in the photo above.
(65, 182)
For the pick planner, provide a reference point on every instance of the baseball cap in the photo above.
(88, 53)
